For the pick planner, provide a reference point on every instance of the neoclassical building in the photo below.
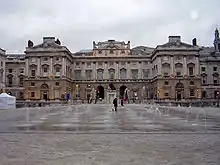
(171, 71)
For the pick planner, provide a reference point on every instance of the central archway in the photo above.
(122, 91)
(100, 92)
(179, 91)
(44, 91)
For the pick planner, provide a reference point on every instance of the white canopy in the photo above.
(7, 101)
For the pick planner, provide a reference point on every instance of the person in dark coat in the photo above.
(115, 102)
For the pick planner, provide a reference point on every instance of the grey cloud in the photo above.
(78, 23)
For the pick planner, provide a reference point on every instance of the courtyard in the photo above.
(94, 134)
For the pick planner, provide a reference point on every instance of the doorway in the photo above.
(44, 95)
(100, 93)
(122, 91)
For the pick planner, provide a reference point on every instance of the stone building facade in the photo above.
(210, 69)
(15, 75)
(172, 71)
(2, 69)
(49, 71)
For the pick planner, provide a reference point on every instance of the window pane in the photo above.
(123, 74)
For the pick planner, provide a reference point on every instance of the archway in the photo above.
(100, 92)
(203, 94)
(44, 92)
(122, 91)
(179, 91)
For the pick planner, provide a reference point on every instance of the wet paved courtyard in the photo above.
(93, 134)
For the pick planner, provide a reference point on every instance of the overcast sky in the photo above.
(78, 22)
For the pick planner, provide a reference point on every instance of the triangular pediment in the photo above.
(47, 45)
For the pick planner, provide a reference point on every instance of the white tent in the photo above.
(7, 101)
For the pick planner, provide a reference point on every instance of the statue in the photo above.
(30, 44)
(94, 44)
(58, 42)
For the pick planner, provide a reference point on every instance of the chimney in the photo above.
(174, 39)
(194, 42)
(48, 40)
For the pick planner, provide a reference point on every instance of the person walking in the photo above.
(115, 102)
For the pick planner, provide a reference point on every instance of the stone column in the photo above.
(117, 71)
(159, 66)
(38, 67)
(184, 66)
(63, 67)
(105, 76)
(172, 65)
(128, 69)
(27, 68)
(197, 66)
(140, 70)
(83, 72)
(51, 67)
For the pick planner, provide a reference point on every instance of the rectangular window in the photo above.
(215, 69)
(100, 74)
(203, 81)
(57, 69)
(166, 74)
(203, 69)
(134, 74)
(192, 92)
(1, 64)
(22, 70)
(32, 94)
(21, 81)
(166, 82)
(57, 58)
(191, 82)
(191, 71)
(178, 74)
(32, 84)
(78, 75)
(166, 94)
(88, 74)
(45, 69)
(145, 73)
(10, 70)
(215, 81)
(33, 73)
(77, 65)
(123, 74)
(57, 83)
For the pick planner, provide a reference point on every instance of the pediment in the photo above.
(47, 45)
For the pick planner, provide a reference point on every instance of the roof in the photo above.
(142, 50)
(15, 56)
